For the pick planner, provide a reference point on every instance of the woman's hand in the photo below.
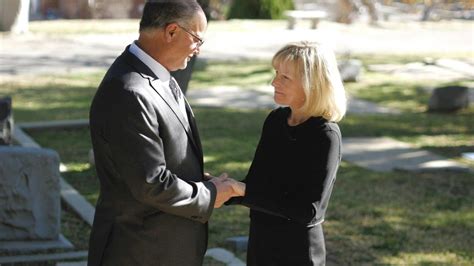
(237, 187)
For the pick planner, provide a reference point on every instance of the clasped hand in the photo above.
(226, 188)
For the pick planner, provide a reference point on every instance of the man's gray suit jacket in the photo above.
(153, 205)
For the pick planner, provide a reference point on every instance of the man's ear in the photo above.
(170, 31)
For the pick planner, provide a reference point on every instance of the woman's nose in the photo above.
(274, 81)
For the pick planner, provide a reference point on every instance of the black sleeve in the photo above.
(308, 202)
(260, 196)
(305, 203)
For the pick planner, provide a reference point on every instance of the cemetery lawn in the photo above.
(373, 218)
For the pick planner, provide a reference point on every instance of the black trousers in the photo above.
(285, 245)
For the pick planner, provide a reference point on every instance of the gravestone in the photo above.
(350, 70)
(449, 99)
(30, 198)
(6, 121)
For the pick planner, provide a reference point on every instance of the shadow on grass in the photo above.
(390, 93)
(243, 74)
(85, 181)
(407, 124)
(403, 94)
(451, 151)
(51, 97)
(50, 114)
(373, 218)
(383, 218)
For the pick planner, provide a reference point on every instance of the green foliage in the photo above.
(244, 9)
(274, 9)
(259, 9)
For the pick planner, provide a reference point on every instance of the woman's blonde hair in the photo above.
(317, 67)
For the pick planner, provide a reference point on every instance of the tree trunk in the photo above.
(14, 15)
(372, 10)
(344, 11)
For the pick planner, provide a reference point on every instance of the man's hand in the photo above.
(226, 188)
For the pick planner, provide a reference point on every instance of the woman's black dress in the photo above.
(288, 188)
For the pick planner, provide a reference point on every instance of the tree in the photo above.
(259, 9)
(14, 15)
(348, 8)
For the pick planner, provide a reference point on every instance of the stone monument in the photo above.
(449, 99)
(350, 70)
(30, 207)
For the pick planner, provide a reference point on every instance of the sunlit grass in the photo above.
(397, 92)
(373, 218)
(426, 258)
(244, 74)
(451, 145)
(399, 213)
(53, 97)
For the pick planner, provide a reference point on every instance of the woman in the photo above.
(292, 175)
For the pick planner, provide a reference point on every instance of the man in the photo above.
(154, 204)
(183, 76)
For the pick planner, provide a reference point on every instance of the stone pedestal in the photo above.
(29, 195)
(350, 70)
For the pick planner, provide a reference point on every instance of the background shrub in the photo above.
(259, 9)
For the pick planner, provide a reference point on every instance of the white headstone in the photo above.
(29, 194)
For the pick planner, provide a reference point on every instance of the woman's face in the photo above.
(288, 87)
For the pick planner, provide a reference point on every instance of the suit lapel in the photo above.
(194, 129)
(153, 80)
(171, 102)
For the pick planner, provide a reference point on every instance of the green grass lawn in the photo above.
(394, 218)
(373, 218)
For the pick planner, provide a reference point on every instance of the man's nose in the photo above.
(197, 50)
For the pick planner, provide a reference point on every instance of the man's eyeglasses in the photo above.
(199, 40)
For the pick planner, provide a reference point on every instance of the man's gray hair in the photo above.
(160, 13)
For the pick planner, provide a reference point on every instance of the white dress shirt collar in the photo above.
(158, 69)
(161, 72)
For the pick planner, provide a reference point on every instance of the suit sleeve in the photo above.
(136, 149)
